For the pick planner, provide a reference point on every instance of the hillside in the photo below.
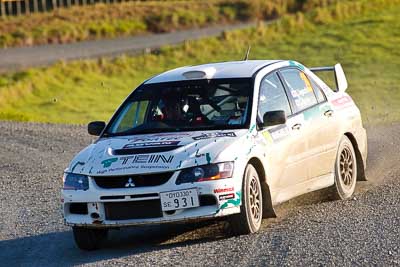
(102, 20)
(362, 35)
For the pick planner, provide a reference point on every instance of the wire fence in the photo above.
(21, 7)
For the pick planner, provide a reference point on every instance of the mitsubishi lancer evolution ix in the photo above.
(229, 139)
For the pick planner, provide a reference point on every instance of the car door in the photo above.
(324, 137)
(313, 121)
(286, 145)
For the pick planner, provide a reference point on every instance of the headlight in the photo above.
(73, 181)
(206, 173)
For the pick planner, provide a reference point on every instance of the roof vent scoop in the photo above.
(207, 73)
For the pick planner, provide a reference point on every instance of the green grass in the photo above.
(131, 18)
(362, 35)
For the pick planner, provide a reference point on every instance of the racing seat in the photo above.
(194, 111)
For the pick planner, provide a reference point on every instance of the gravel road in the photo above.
(310, 230)
(23, 57)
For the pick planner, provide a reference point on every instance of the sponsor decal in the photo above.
(214, 135)
(156, 161)
(197, 155)
(208, 158)
(267, 137)
(179, 165)
(342, 101)
(276, 134)
(316, 112)
(306, 81)
(232, 202)
(294, 93)
(134, 167)
(312, 113)
(295, 64)
(154, 139)
(223, 190)
(252, 128)
(135, 159)
(251, 148)
(151, 144)
(76, 165)
(226, 196)
(108, 162)
(279, 132)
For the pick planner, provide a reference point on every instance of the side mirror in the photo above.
(96, 127)
(275, 117)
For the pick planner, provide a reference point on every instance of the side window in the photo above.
(318, 91)
(300, 88)
(272, 96)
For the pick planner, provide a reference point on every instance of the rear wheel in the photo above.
(345, 170)
(89, 239)
(249, 219)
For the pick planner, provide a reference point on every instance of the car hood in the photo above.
(152, 153)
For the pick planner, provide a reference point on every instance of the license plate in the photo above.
(182, 199)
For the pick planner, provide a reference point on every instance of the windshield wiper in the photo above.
(141, 131)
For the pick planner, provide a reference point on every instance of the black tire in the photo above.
(345, 171)
(89, 239)
(249, 219)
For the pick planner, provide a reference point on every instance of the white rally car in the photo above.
(226, 139)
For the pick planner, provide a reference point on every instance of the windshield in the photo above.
(185, 106)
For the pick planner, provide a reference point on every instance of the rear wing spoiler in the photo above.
(340, 77)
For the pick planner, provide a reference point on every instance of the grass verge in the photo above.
(131, 18)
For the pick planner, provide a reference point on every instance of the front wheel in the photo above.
(345, 170)
(89, 239)
(249, 219)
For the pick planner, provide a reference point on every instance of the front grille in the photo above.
(131, 196)
(140, 180)
(144, 209)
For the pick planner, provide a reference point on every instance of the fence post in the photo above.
(9, 8)
(19, 7)
(27, 7)
(35, 6)
(2, 9)
(44, 5)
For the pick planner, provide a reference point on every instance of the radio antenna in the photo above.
(247, 53)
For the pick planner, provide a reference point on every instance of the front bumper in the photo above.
(94, 204)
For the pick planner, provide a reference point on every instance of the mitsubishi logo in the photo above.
(130, 183)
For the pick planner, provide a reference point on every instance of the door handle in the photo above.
(297, 126)
(328, 113)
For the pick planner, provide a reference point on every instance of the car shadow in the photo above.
(59, 248)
